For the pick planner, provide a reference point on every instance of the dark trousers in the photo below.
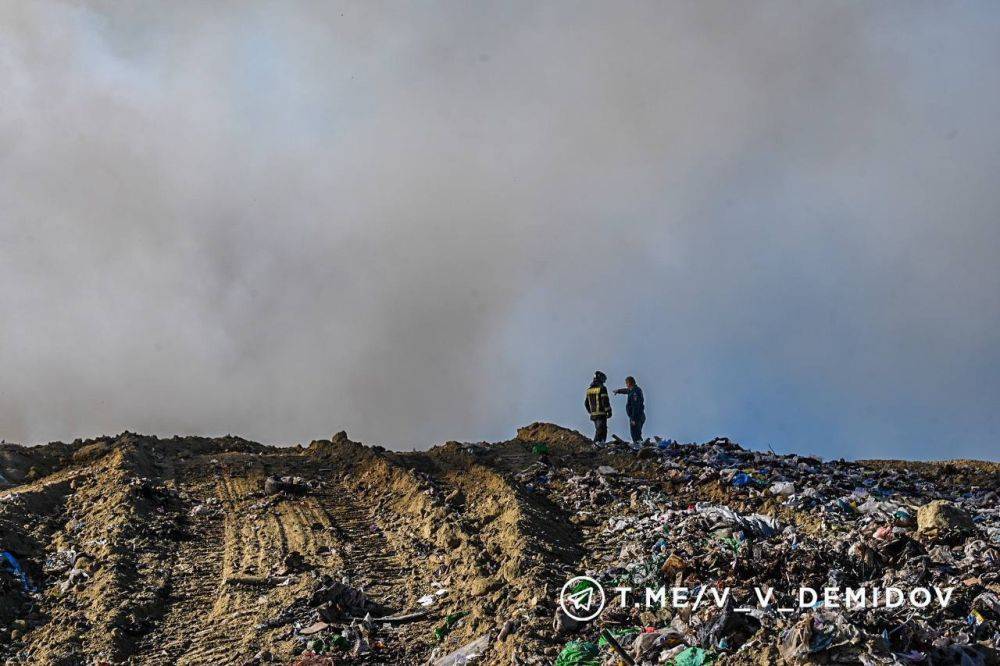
(635, 425)
(601, 430)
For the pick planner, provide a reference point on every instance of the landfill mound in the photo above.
(134, 549)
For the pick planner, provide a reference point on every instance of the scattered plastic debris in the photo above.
(15, 567)
(465, 654)
(449, 623)
(579, 653)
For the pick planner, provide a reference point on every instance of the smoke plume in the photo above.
(431, 221)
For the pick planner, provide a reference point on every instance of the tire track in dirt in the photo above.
(195, 586)
(279, 530)
(209, 621)
(368, 558)
(227, 621)
(300, 518)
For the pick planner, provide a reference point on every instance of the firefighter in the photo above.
(598, 406)
(635, 407)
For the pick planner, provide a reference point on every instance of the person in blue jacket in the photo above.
(635, 407)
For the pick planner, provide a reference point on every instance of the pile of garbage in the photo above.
(544, 549)
(770, 545)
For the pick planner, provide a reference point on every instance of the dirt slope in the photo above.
(157, 551)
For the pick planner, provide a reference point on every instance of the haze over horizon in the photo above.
(426, 222)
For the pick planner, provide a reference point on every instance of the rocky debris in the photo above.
(210, 507)
(563, 623)
(21, 464)
(941, 520)
(465, 654)
(334, 600)
(290, 485)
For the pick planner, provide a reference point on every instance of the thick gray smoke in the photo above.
(425, 222)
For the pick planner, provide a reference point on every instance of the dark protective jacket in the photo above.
(635, 406)
(597, 402)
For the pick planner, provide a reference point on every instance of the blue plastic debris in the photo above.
(15, 566)
(742, 479)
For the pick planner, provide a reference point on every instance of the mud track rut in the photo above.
(182, 634)
(207, 621)
(366, 554)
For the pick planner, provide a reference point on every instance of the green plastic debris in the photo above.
(579, 653)
(618, 634)
(734, 544)
(449, 622)
(693, 656)
(540, 449)
(318, 645)
(329, 644)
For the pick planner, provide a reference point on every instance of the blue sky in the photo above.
(434, 221)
